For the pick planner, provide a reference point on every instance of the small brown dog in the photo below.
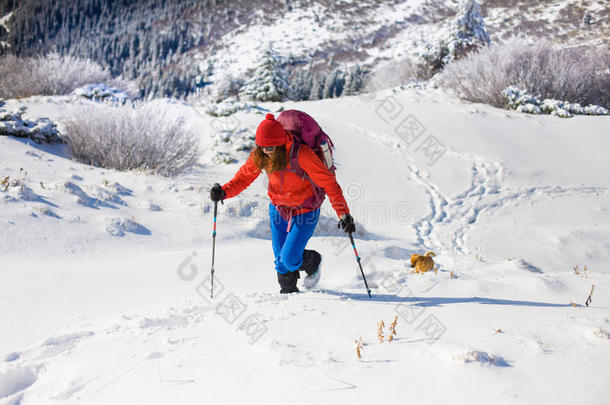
(423, 263)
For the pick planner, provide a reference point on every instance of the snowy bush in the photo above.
(231, 145)
(390, 74)
(229, 107)
(269, 80)
(131, 137)
(102, 92)
(466, 34)
(52, 74)
(579, 75)
(39, 130)
(523, 101)
(228, 86)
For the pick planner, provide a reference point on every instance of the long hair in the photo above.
(277, 161)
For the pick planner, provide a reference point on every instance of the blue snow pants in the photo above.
(289, 238)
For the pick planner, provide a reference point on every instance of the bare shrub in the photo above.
(578, 75)
(390, 74)
(58, 74)
(131, 137)
(53, 74)
(13, 72)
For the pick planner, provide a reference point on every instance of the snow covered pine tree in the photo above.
(467, 33)
(269, 81)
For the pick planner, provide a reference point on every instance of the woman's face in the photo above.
(268, 150)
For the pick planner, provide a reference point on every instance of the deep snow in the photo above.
(104, 274)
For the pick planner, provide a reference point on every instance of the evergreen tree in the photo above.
(269, 80)
(317, 89)
(354, 81)
(301, 83)
(469, 30)
(467, 34)
(333, 86)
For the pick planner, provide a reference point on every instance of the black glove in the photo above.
(347, 223)
(217, 193)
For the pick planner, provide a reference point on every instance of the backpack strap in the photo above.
(319, 194)
(294, 159)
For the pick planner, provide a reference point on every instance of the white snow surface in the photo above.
(104, 275)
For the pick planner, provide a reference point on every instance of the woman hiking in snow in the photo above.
(294, 209)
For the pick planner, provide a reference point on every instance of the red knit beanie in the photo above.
(270, 132)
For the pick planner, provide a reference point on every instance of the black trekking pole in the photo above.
(213, 248)
(214, 241)
(368, 290)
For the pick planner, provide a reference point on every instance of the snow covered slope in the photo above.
(331, 34)
(104, 275)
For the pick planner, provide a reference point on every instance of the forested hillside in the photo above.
(160, 43)
(143, 39)
(324, 48)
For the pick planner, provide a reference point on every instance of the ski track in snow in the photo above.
(450, 219)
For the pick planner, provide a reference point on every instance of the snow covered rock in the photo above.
(105, 195)
(474, 356)
(81, 197)
(39, 130)
(46, 211)
(17, 190)
(528, 266)
(118, 226)
(116, 187)
(95, 196)
(102, 92)
(154, 207)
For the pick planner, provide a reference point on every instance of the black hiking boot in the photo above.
(311, 261)
(288, 282)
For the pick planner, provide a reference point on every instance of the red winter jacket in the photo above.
(286, 188)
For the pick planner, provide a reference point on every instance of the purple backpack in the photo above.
(305, 130)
